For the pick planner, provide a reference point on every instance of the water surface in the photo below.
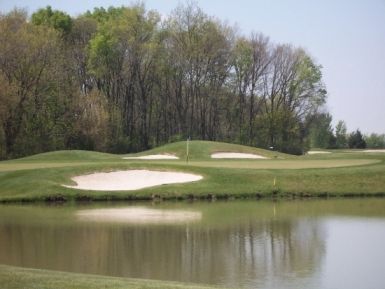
(335, 243)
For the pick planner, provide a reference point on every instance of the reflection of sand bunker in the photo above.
(236, 156)
(130, 180)
(153, 157)
(139, 215)
(317, 152)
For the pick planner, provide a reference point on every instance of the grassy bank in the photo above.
(40, 177)
(20, 278)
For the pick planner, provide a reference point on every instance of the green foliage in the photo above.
(125, 80)
(307, 83)
(101, 54)
(375, 141)
(356, 140)
(341, 141)
(33, 100)
(102, 15)
(281, 131)
(59, 20)
(332, 141)
(322, 132)
(123, 57)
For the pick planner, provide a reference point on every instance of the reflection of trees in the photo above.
(247, 254)
(255, 252)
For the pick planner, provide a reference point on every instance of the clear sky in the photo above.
(347, 37)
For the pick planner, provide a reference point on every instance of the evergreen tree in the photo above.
(356, 140)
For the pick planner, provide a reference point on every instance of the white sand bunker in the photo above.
(236, 156)
(373, 151)
(130, 180)
(139, 215)
(153, 157)
(317, 152)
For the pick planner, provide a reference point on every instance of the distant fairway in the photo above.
(276, 164)
(7, 167)
(236, 164)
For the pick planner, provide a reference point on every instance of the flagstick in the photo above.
(187, 148)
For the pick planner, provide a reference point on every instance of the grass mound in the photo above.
(67, 156)
(204, 150)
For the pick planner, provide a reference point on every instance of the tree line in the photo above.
(125, 79)
(323, 135)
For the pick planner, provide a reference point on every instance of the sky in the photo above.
(346, 37)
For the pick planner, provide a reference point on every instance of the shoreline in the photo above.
(274, 196)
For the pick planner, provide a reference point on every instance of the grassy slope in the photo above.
(40, 177)
(20, 278)
(204, 150)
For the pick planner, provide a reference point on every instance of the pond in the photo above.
(315, 243)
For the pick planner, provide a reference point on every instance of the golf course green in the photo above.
(48, 176)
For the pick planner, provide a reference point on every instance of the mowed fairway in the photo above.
(238, 164)
(278, 164)
(8, 167)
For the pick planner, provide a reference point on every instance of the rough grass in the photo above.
(20, 278)
(40, 177)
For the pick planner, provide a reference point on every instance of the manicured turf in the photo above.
(245, 164)
(279, 164)
(34, 166)
(41, 177)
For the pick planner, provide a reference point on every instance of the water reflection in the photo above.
(138, 215)
(233, 244)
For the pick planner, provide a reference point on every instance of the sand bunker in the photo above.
(153, 157)
(139, 215)
(374, 151)
(317, 152)
(130, 180)
(236, 156)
